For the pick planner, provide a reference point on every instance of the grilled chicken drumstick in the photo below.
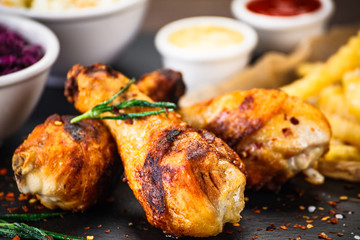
(70, 166)
(188, 181)
(276, 135)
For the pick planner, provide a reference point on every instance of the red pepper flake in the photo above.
(3, 171)
(302, 227)
(272, 227)
(25, 209)
(283, 227)
(258, 229)
(340, 234)
(86, 228)
(16, 238)
(255, 237)
(257, 211)
(107, 231)
(236, 224)
(23, 197)
(309, 221)
(295, 226)
(332, 203)
(334, 220)
(39, 207)
(297, 238)
(10, 196)
(324, 236)
(229, 231)
(10, 210)
(239, 230)
(126, 235)
(99, 226)
(315, 217)
(332, 212)
(301, 207)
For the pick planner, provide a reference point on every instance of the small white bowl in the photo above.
(202, 67)
(96, 34)
(21, 90)
(283, 33)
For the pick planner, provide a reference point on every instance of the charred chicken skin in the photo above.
(70, 166)
(188, 181)
(162, 85)
(88, 144)
(276, 135)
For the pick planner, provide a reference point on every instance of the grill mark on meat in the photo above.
(71, 85)
(74, 130)
(151, 174)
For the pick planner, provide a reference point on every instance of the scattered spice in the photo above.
(301, 207)
(16, 237)
(324, 236)
(58, 123)
(86, 228)
(229, 231)
(89, 237)
(343, 198)
(236, 224)
(340, 234)
(325, 218)
(332, 203)
(309, 226)
(3, 171)
(107, 231)
(283, 227)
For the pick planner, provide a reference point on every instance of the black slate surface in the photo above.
(267, 215)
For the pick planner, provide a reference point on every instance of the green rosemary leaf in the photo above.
(32, 231)
(29, 217)
(143, 103)
(105, 107)
(120, 92)
(134, 115)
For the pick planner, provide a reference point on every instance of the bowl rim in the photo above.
(266, 22)
(52, 47)
(76, 14)
(167, 49)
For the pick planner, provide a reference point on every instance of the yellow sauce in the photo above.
(205, 37)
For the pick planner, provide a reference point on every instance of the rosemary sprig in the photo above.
(29, 217)
(105, 107)
(29, 232)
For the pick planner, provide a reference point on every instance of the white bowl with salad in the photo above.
(28, 50)
(89, 31)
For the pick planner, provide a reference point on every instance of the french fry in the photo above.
(307, 67)
(345, 59)
(342, 152)
(351, 85)
(332, 101)
(345, 130)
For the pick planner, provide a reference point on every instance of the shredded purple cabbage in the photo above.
(15, 52)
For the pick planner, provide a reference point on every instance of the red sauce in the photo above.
(283, 7)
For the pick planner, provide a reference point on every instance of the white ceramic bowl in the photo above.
(202, 67)
(96, 34)
(283, 33)
(21, 90)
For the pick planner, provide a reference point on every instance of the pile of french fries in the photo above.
(334, 87)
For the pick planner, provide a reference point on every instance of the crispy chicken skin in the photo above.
(188, 182)
(276, 135)
(162, 85)
(70, 166)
